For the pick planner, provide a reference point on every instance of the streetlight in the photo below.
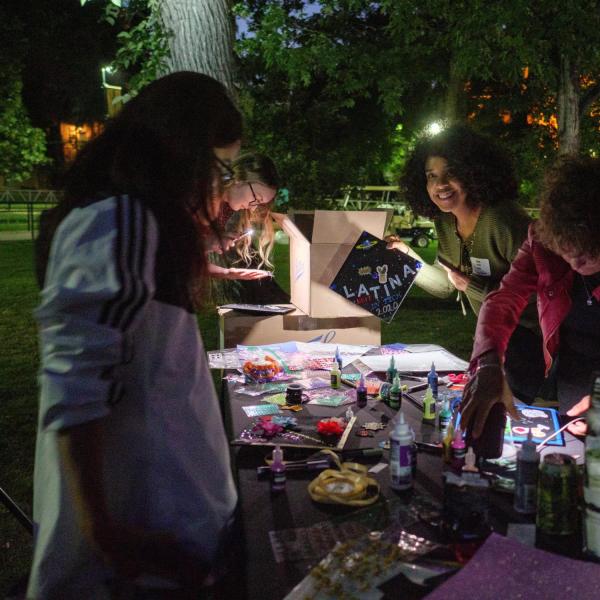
(434, 128)
(112, 92)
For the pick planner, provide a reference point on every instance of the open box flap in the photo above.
(345, 227)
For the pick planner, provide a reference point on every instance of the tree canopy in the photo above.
(337, 90)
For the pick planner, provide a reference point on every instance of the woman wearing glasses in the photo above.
(249, 187)
(467, 185)
(133, 486)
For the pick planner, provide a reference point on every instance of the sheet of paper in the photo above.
(348, 352)
(417, 361)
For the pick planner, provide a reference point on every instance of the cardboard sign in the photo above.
(375, 278)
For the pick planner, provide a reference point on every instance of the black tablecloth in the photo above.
(263, 512)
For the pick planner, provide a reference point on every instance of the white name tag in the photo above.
(481, 266)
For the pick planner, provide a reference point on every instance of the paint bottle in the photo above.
(413, 455)
(459, 450)
(277, 471)
(429, 407)
(445, 416)
(336, 376)
(391, 371)
(528, 462)
(401, 443)
(396, 393)
(338, 357)
(384, 391)
(361, 393)
(349, 414)
(470, 462)
(432, 380)
(447, 443)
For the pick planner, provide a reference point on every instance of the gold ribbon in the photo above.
(350, 485)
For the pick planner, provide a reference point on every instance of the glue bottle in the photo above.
(391, 371)
(277, 471)
(459, 450)
(432, 380)
(445, 416)
(429, 407)
(528, 462)
(396, 393)
(336, 376)
(338, 357)
(361, 393)
(401, 441)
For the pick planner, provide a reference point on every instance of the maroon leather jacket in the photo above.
(535, 269)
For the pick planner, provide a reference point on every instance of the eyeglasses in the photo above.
(225, 170)
(256, 200)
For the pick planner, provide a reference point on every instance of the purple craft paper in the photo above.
(504, 568)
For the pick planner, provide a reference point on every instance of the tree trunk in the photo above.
(568, 109)
(202, 37)
(454, 100)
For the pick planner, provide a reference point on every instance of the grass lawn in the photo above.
(421, 318)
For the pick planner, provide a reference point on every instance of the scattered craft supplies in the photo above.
(260, 410)
(375, 278)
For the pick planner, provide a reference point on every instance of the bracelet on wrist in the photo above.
(487, 366)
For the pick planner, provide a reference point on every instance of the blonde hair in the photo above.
(258, 168)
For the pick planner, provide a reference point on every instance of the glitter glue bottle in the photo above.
(396, 393)
(429, 407)
(361, 393)
(391, 371)
(459, 450)
(445, 416)
(277, 471)
(432, 380)
(338, 357)
(401, 441)
(528, 462)
(336, 376)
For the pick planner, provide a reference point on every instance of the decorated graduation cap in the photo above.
(375, 278)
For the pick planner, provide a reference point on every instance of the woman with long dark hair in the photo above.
(132, 474)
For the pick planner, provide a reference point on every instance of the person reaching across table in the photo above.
(560, 261)
(466, 183)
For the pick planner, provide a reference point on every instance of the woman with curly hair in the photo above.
(467, 185)
(560, 261)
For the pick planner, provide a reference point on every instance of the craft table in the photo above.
(261, 512)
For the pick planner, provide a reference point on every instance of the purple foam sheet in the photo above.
(504, 568)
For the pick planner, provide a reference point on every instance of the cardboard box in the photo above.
(319, 245)
(242, 328)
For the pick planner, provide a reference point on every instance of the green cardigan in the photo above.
(498, 235)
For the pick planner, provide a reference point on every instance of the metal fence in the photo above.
(28, 203)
